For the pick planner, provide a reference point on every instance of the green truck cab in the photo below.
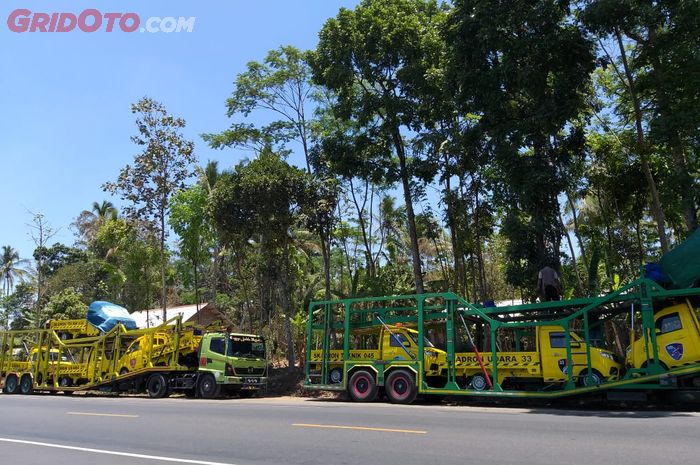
(235, 363)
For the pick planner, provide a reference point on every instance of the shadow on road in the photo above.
(584, 408)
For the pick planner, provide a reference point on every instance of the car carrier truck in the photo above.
(70, 356)
(540, 350)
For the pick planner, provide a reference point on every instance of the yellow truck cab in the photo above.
(677, 339)
(384, 343)
(546, 364)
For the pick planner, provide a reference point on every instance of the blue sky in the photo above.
(65, 120)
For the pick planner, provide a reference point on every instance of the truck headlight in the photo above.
(430, 353)
(608, 355)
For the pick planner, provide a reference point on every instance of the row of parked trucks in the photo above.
(107, 352)
(399, 347)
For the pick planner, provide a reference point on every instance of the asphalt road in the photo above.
(79, 430)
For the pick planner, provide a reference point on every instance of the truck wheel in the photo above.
(123, 371)
(400, 387)
(157, 386)
(336, 376)
(479, 382)
(11, 384)
(26, 385)
(362, 387)
(595, 379)
(208, 389)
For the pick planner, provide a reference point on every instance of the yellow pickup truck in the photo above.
(156, 349)
(546, 364)
(53, 359)
(677, 339)
(385, 343)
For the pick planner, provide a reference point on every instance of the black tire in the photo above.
(12, 384)
(26, 385)
(595, 379)
(400, 387)
(362, 386)
(335, 376)
(478, 383)
(157, 386)
(123, 371)
(208, 389)
(65, 382)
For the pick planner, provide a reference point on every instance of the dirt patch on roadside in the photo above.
(283, 382)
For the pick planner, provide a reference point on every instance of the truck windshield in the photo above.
(246, 347)
(426, 341)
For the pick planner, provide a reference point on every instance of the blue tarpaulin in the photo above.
(106, 315)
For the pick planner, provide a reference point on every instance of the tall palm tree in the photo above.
(90, 221)
(10, 268)
(209, 175)
(103, 210)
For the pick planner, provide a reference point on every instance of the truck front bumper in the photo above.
(251, 383)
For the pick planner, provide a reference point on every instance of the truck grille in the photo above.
(248, 371)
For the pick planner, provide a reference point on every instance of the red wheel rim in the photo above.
(400, 386)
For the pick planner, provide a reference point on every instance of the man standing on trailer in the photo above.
(548, 284)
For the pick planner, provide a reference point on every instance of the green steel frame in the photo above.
(343, 317)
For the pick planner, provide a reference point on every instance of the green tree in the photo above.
(257, 205)
(189, 221)
(19, 307)
(378, 58)
(526, 72)
(279, 90)
(11, 268)
(158, 172)
(104, 210)
(66, 305)
(279, 86)
(129, 268)
(93, 279)
(41, 232)
(658, 64)
(57, 256)
(89, 222)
